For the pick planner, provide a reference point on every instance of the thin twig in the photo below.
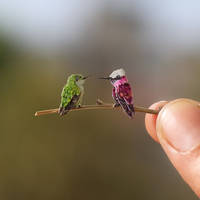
(100, 105)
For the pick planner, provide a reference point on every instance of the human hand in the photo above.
(177, 129)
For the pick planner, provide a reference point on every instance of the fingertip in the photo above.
(178, 130)
(179, 124)
(150, 120)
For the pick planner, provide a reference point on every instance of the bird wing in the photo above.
(69, 98)
(125, 98)
(68, 92)
(72, 104)
(125, 92)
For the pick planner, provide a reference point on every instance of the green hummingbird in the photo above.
(72, 93)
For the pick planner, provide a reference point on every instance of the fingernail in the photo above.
(179, 124)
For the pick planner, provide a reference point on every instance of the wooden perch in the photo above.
(100, 105)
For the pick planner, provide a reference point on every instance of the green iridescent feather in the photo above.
(72, 93)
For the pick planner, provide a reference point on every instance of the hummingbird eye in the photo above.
(117, 77)
(77, 78)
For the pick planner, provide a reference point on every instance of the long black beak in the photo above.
(85, 77)
(106, 78)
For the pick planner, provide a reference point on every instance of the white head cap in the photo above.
(118, 72)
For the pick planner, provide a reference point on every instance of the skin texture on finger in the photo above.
(150, 120)
(178, 132)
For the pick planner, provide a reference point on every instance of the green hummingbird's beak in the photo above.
(85, 77)
(106, 78)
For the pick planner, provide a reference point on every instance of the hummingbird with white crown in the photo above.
(72, 93)
(122, 92)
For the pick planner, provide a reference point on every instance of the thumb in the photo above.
(177, 129)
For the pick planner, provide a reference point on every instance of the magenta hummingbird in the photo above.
(121, 93)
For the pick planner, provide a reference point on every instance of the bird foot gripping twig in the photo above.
(99, 105)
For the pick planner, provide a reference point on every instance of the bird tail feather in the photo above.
(63, 111)
(128, 108)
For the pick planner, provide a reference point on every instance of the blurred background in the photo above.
(91, 154)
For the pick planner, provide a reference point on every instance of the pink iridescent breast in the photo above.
(120, 82)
